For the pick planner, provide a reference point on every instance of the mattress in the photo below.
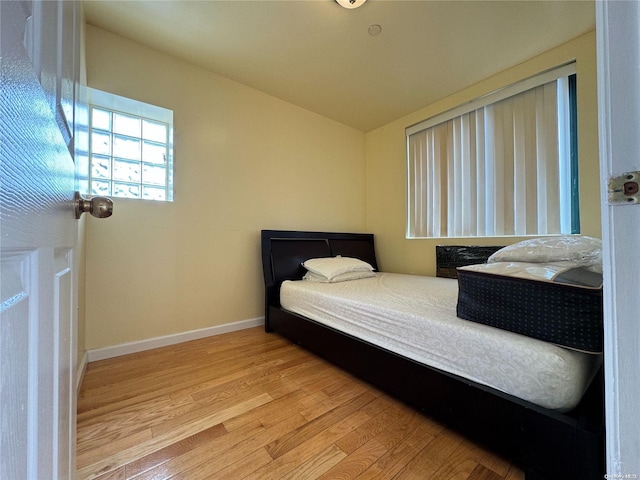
(553, 303)
(415, 316)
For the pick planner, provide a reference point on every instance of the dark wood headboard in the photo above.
(283, 252)
(450, 257)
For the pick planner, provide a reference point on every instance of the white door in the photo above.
(37, 239)
(618, 34)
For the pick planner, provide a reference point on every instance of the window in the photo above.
(130, 148)
(505, 164)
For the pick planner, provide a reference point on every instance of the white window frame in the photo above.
(127, 106)
(423, 202)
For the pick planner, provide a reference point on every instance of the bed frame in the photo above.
(546, 444)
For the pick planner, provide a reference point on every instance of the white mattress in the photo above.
(415, 316)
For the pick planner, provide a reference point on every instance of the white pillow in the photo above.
(577, 250)
(343, 277)
(331, 267)
(531, 271)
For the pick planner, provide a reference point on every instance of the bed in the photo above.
(549, 436)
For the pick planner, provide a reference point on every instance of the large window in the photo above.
(505, 164)
(130, 149)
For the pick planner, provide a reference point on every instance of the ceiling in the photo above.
(320, 56)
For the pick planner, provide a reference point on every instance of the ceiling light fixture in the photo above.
(350, 3)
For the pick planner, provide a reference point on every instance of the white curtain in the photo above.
(501, 169)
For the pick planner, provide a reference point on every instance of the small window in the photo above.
(505, 164)
(130, 149)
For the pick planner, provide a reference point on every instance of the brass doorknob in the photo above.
(99, 207)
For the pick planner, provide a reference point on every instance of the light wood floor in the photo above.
(250, 405)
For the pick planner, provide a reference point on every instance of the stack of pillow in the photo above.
(336, 269)
(548, 258)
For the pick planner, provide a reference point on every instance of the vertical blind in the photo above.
(498, 166)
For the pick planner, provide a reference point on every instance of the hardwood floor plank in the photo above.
(190, 372)
(95, 422)
(243, 373)
(487, 459)
(433, 458)
(514, 474)
(360, 436)
(318, 424)
(109, 448)
(251, 406)
(159, 457)
(356, 462)
(284, 464)
(209, 451)
(402, 440)
(458, 470)
(298, 407)
(90, 465)
(123, 423)
(405, 429)
(281, 408)
(250, 374)
(322, 376)
(119, 474)
(333, 401)
(243, 467)
(381, 404)
(483, 473)
(318, 465)
(225, 451)
(223, 410)
(461, 462)
(231, 455)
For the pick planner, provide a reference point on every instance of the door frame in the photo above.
(618, 54)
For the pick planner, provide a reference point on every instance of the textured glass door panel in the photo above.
(39, 231)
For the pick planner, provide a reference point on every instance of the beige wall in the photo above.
(243, 161)
(386, 161)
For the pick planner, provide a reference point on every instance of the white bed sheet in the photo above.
(415, 316)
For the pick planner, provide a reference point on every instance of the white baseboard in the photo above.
(148, 344)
